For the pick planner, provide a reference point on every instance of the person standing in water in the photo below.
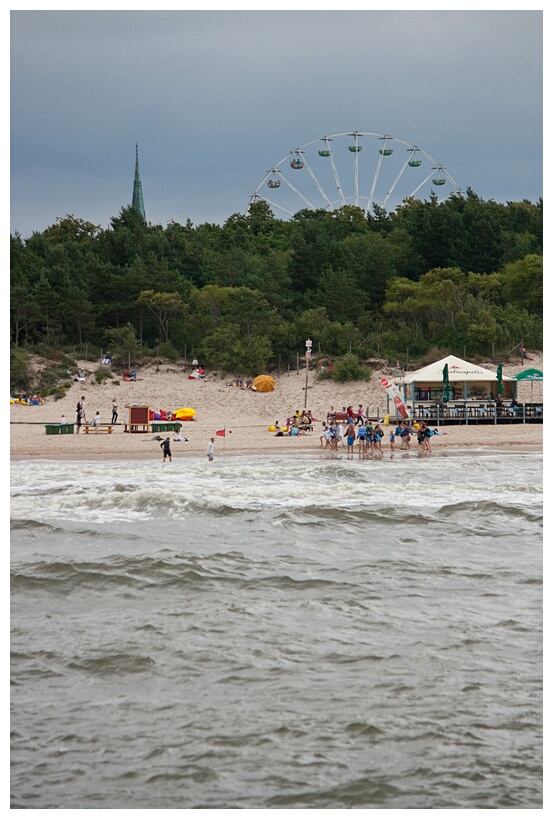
(166, 447)
(350, 436)
(210, 449)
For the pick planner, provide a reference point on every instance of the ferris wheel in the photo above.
(360, 168)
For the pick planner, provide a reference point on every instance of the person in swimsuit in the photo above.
(350, 436)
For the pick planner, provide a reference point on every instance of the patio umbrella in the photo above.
(530, 375)
(447, 388)
(264, 383)
(499, 376)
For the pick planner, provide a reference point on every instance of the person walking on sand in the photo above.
(79, 417)
(114, 411)
(83, 413)
(210, 449)
(96, 421)
(166, 447)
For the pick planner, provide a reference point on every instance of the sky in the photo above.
(216, 98)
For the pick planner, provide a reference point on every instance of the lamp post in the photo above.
(308, 345)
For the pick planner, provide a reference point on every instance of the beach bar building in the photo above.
(474, 394)
(468, 382)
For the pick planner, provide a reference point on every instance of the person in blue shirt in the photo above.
(362, 438)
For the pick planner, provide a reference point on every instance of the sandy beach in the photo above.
(245, 415)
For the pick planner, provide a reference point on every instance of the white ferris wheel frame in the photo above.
(299, 154)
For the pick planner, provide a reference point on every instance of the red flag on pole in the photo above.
(221, 432)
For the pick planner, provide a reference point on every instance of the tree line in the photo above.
(463, 275)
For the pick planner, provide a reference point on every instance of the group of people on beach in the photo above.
(30, 400)
(369, 438)
(298, 423)
(81, 415)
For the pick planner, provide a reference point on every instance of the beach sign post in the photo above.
(308, 345)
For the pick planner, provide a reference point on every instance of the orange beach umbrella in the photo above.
(264, 383)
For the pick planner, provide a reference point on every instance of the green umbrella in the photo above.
(499, 376)
(530, 375)
(447, 388)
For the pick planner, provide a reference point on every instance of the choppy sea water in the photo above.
(271, 632)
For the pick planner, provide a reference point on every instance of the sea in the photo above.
(318, 631)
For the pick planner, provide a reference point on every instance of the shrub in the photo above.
(102, 373)
(19, 370)
(56, 392)
(166, 350)
(345, 369)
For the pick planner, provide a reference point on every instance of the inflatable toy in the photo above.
(184, 413)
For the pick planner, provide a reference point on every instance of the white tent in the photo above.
(468, 380)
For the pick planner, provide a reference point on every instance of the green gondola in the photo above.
(324, 153)
(415, 163)
(386, 151)
(355, 148)
(438, 181)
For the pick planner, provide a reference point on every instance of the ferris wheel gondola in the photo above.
(361, 168)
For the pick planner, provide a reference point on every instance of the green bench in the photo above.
(59, 429)
(165, 426)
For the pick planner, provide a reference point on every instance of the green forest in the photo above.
(463, 276)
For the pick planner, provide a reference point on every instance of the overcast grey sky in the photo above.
(216, 98)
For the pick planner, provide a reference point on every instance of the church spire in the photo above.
(137, 198)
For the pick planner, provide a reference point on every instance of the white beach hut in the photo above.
(467, 381)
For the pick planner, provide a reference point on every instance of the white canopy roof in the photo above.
(458, 370)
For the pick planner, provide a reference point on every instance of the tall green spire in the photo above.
(137, 198)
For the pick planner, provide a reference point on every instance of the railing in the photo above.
(474, 411)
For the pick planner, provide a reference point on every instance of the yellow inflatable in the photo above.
(184, 412)
(271, 429)
(386, 420)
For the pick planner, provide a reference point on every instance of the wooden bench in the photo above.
(339, 417)
(101, 428)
